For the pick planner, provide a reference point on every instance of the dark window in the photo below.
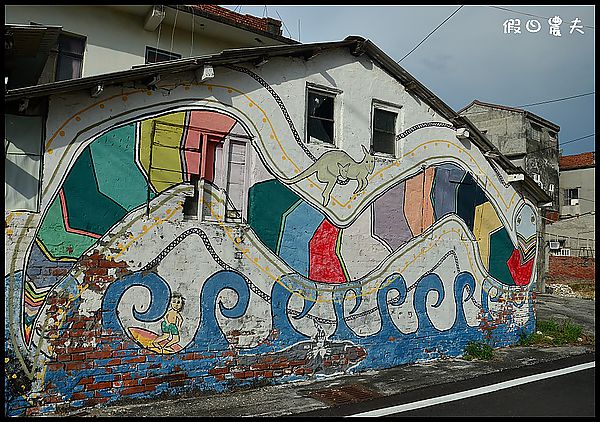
(154, 55)
(69, 63)
(536, 132)
(384, 131)
(320, 117)
(571, 194)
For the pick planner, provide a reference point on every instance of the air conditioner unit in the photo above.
(575, 201)
(154, 17)
(554, 245)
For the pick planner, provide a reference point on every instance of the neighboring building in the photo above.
(526, 139)
(102, 39)
(259, 215)
(574, 233)
(530, 142)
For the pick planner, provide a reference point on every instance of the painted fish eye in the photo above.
(519, 220)
(533, 219)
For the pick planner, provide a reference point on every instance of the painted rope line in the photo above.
(421, 126)
(211, 251)
(279, 102)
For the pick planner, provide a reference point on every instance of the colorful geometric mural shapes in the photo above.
(470, 195)
(501, 249)
(521, 272)
(55, 241)
(486, 222)
(160, 145)
(447, 180)
(299, 225)
(89, 209)
(207, 125)
(33, 299)
(42, 272)
(526, 232)
(267, 203)
(113, 155)
(325, 261)
(418, 207)
(389, 221)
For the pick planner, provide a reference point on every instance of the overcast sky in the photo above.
(470, 57)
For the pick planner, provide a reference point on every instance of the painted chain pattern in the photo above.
(280, 104)
(211, 251)
(421, 126)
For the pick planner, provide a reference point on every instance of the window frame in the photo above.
(156, 51)
(7, 146)
(328, 92)
(61, 53)
(390, 108)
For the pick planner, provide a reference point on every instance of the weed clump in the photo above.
(553, 333)
(478, 350)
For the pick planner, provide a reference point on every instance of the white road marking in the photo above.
(474, 392)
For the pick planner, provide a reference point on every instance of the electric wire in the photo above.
(431, 33)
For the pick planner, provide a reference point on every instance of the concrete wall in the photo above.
(512, 133)
(116, 40)
(343, 261)
(585, 180)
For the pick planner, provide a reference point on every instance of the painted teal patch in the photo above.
(57, 241)
(119, 178)
(88, 209)
(267, 202)
(501, 248)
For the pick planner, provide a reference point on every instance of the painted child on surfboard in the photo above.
(171, 325)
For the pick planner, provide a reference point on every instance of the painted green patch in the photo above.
(87, 208)
(267, 202)
(57, 241)
(119, 178)
(501, 248)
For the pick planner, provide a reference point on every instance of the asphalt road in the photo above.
(570, 394)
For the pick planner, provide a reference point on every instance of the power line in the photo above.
(529, 14)
(562, 143)
(436, 28)
(558, 99)
(284, 25)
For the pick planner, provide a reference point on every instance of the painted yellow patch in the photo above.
(160, 139)
(486, 222)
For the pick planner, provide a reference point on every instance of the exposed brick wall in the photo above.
(571, 267)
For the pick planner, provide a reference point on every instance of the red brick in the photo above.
(216, 371)
(99, 355)
(137, 359)
(99, 385)
(133, 390)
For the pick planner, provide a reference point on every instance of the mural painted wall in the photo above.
(302, 261)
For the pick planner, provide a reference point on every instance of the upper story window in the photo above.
(69, 61)
(384, 131)
(320, 116)
(571, 196)
(536, 132)
(154, 55)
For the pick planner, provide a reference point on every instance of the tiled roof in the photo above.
(270, 25)
(570, 162)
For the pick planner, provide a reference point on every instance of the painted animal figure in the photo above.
(338, 167)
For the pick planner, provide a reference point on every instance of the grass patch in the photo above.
(478, 350)
(553, 333)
